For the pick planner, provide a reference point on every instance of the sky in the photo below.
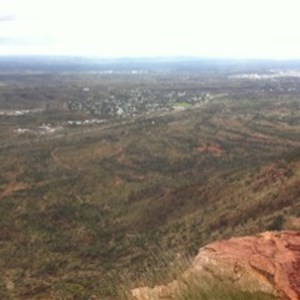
(142, 28)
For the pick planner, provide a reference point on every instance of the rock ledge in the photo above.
(267, 262)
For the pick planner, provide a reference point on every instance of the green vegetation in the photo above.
(182, 104)
(84, 207)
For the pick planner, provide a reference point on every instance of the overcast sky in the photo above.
(238, 29)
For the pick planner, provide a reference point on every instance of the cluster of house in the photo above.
(133, 102)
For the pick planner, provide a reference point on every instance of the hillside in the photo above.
(84, 209)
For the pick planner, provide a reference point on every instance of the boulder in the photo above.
(267, 262)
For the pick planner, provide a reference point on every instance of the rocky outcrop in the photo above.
(268, 262)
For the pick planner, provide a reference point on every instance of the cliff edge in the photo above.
(267, 262)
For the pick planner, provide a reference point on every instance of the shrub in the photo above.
(277, 223)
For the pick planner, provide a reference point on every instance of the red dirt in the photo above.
(13, 187)
(213, 149)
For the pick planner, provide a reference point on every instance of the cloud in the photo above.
(7, 17)
(226, 28)
(20, 41)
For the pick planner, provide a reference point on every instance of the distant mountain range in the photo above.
(163, 64)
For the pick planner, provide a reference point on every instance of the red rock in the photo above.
(268, 262)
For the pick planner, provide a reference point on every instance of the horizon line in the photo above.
(147, 57)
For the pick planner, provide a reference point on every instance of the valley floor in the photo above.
(84, 210)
